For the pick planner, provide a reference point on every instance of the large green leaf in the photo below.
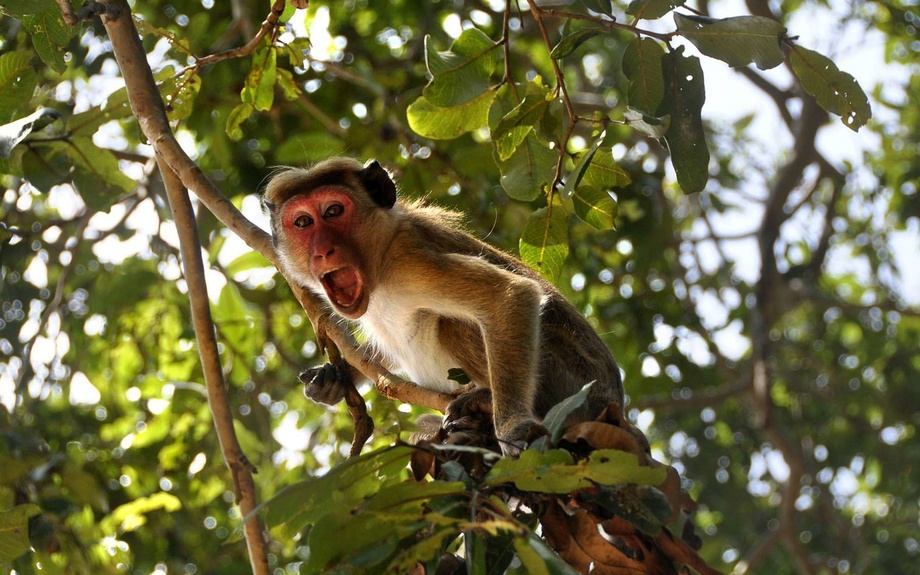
(537, 558)
(642, 67)
(571, 41)
(594, 206)
(345, 485)
(96, 174)
(17, 83)
(555, 471)
(259, 89)
(737, 41)
(14, 531)
(438, 123)
(529, 169)
(516, 124)
(462, 73)
(652, 9)
(309, 147)
(544, 244)
(835, 91)
(684, 96)
(49, 36)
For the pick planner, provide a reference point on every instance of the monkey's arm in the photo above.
(506, 309)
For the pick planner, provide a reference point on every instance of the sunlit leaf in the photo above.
(437, 123)
(462, 73)
(544, 245)
(529, 169)
(17, 83)
(835, 91)
(648, 125)
(595, 207)
(14, 531)
(737, 41)
(49, 36)
(15, 132)
(516, 124)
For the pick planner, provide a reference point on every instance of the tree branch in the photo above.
(241, 469)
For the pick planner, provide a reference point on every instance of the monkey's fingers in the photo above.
(476, 403)
(325, 383)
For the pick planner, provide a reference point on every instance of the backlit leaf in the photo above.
(737, 41)
(437, 123)
(529, 169)
(652, 9)
(642, 67)
(462, 73)
(683, 100)
(544, 244)
(570, 42)
(835, 91)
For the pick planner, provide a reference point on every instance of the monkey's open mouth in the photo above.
(343, 286)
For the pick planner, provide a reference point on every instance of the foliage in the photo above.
(551, 135)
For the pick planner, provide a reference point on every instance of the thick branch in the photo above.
(240, 468)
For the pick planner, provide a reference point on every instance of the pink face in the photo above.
(321, 226)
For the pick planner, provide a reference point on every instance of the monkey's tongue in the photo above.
(343, 286)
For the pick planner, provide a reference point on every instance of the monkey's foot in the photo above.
(325, 383)
(471, 408)
(515, 438)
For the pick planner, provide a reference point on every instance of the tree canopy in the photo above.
(708, 182)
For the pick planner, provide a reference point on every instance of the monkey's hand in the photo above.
(472, 410)
(324, 383)
(515, 436)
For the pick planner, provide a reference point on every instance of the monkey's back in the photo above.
(571, 352)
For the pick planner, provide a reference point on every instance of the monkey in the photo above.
(430, 297)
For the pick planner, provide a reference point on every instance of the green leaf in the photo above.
(648, 125)
(309, 147)
(437, 123)
(259, 89)
(17, 83)
(343, 487)
(599, 6)
(458, 375)
(245, 262)
(179, 93)
(644, 506)
(544, 245)
(49, 35)
(551, 472)
(652, 9)
(132, 515)
(554, 421)
(570, 42)
(684, 96)
(737, 41)
(835, 91)
(595, 207)
(538, 559)
(14, 531)
(462, 73)
(578, 172)
(96, 174)
(288, 85)
(642, 67)
(516, 124)
(21, 8)
(529, 169)
(555, 471)
(237, 116)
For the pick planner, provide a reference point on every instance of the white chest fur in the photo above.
(403, 332)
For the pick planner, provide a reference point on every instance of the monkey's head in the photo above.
(328, 225)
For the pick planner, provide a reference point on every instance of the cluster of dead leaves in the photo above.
(580, 526)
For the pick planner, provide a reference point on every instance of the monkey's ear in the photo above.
(378, 184)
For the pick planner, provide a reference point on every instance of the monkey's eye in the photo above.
(334, 210)
(303, 221)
